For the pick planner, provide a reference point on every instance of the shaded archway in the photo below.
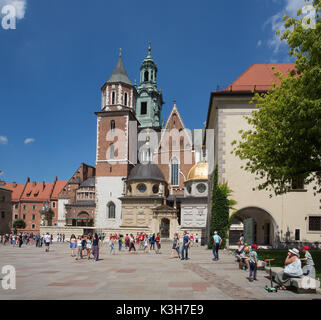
(257, 224)
(164, 228)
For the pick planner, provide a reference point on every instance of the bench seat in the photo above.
(300, 284)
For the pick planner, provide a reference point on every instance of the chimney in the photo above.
(15, 184)
(43, 186)
(34, 183)
(28, 179)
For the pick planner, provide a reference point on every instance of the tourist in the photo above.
(73, 244)
(217, 241)
(13, 240)
(253, 262)
(242, 240)
(292, 269)
(239, 251)
(158, 243)
(83, 244)
(120, 242)
(58, 237)
(192, 240)
(309, 268)
(63, 237)
(175, 246)
(186, 243)
(95, 248)
(145, 244)
(20, 240)
(127, 241)
(51, 238)
(245, 258)
(132, 243)
(112, 245)
(37, 240)
(152, 242)
(196, 239)
(88, 246)
(79, 248)
(47, 239)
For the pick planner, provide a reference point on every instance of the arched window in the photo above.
(146, 76)
(174, 171)
(112, 125)
(111, 208)
(113, 97)
(111, 151)
(125, 99)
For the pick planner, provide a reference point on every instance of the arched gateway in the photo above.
(257, 225)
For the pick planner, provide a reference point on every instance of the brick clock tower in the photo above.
(116, 147)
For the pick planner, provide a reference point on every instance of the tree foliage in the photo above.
(19, 224)
(220, 210)
(285, 140)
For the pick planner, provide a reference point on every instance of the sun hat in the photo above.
(295, 251)
(306, 248)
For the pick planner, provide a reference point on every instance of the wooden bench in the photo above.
(303, 284)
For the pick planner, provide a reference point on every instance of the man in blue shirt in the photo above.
(186, 242)
(217, 241)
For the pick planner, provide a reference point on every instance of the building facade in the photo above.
(290, 219)
(5, 210)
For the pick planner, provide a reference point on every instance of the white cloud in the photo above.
(290, 8)
(259, 43)
(3, 140)
(20, 5)
(29, 140)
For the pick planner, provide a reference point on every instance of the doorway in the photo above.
(164, 228)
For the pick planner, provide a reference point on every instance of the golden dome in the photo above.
(198, 172)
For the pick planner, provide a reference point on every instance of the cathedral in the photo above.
(149, 176)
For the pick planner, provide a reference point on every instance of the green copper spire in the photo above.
(150, 100)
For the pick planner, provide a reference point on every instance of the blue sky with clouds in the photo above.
(61, 52)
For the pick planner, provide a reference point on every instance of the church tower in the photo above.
(116, 130)
(150, 99)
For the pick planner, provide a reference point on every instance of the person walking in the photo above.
(38, 240)
(145, 244)
(96, 247)
(112, 241)
(20, 240)
(47, 239)
(88, 246)
(186, 243)
(175, 247)
(63, 237)
(79, 248)
(253, 263)
(120, 242)
(217, 241)
(158, 243)
(132, 243)
(73, 244)
(152, 242)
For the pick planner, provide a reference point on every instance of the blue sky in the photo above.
(61, 52)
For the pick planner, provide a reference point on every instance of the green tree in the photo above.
(285, 140)
(19, 224)
(220, 211)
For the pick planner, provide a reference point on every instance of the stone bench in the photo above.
(303, 284)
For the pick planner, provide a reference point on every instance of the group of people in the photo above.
(17, 240)
(182, 253)
(249, 260)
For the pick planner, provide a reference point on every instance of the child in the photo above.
(310, 266)
(146, 244)
(253, 262)
(79, 248)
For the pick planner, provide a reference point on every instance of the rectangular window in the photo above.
(143, 108)
(297, 234)
(33, 207)
(33, 226)
(298, 183)
(174, 174)
(16, 206)
(24, 207)
(15, 216)
(54, 204)
(33, 217)
(24, 217)
(314, 223)
(2, 214)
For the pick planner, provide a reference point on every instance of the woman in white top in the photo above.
(292, 269)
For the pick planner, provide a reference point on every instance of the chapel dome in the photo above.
(198, 172)
(149, 171)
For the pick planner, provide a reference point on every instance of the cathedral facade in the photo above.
(142, 167)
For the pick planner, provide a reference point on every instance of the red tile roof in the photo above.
(58, 187)
(37, 191)
(259, 77)
(16, 189)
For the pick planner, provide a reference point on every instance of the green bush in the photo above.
(19, 224)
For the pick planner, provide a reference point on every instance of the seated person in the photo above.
(292, 269)
(309, 268)
(245, 257)
(239, 251)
